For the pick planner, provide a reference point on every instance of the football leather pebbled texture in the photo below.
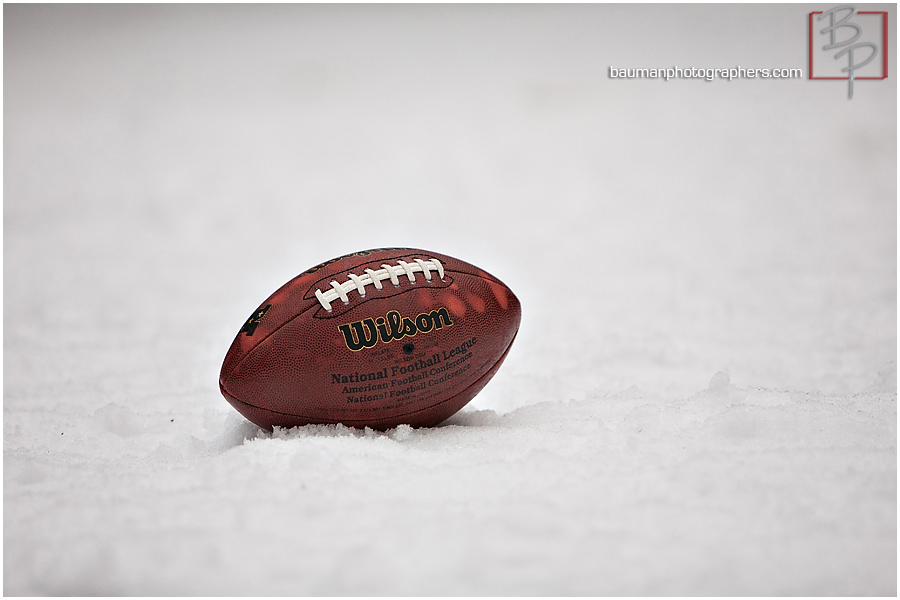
(377, 338)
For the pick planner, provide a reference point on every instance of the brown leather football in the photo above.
(377, 338)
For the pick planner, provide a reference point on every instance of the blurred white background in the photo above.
(702, 397)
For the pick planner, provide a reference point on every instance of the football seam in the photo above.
(224, 379)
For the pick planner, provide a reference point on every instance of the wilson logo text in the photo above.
(368, 332)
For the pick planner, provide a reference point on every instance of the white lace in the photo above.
(359, 282)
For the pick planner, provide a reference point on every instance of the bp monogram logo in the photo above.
(847, 44)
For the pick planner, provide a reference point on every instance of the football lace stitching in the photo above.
(369, 276)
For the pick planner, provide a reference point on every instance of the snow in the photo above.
(702, 396)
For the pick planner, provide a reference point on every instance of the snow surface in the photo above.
(702, 396)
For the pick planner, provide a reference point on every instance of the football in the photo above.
(377, 338)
